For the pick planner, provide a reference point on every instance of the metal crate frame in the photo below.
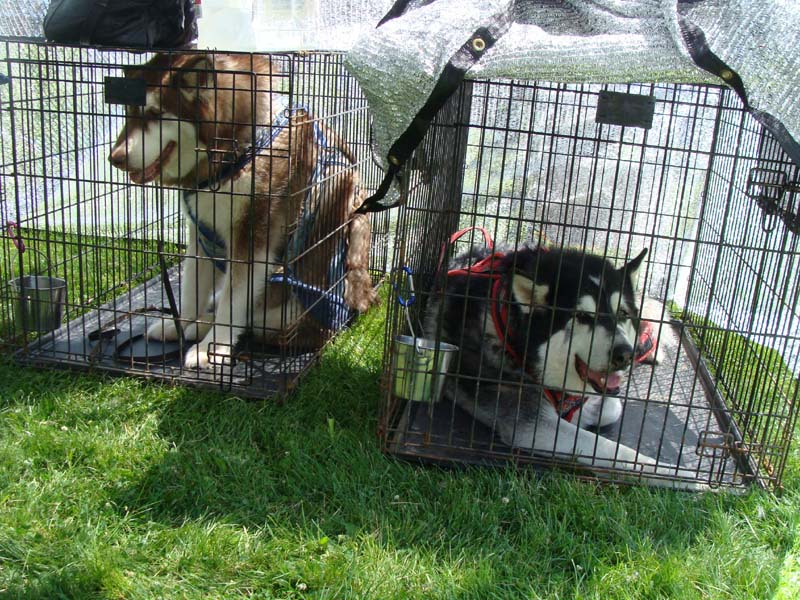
(704, 188)
(112, 241)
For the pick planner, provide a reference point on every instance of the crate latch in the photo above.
(715, 444)
(774, 194)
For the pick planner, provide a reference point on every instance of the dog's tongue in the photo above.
(605, 382)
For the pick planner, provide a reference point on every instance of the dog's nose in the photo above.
(621, 356)
(118, 157)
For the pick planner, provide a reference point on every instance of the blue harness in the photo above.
(328, 308)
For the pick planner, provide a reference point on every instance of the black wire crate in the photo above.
(540, 333)
(186, 216)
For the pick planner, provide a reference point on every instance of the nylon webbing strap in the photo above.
(701, 54)
(398, 8)
(452, 76)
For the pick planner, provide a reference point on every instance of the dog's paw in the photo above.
(598, 411)
(163, 330)
(196, 359)
(204, 357)
(673, 477)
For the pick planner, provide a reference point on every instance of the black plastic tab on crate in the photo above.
(121, 90)
(629, 110)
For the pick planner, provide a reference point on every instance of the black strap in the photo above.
(453, 74)
(701, 54)
(173, 305)
(398, 8)
(372, 204)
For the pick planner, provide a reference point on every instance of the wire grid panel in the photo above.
(527, 162)
(117, 164)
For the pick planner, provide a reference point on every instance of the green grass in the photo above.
(120, 488)
(755, 383)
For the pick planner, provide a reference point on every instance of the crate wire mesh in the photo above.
(528, 162)
(85, 222)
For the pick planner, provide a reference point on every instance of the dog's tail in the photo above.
(359, 292)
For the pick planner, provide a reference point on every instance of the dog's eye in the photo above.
(623, 315)
(584, 317)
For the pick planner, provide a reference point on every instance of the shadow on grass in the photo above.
(312, 469)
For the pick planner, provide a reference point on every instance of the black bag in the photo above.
(133, 23)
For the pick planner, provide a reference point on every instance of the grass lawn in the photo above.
(120, 488)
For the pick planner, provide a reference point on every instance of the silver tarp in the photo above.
(582, 41)
(606, 41)
(552, 40)
(597, 41)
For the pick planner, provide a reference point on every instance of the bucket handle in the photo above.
(15, 234)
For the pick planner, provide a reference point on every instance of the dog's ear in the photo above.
(634, 268)
(527, 293)
(193, 73)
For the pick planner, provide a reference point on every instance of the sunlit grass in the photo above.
(96, 269)
(119, 488)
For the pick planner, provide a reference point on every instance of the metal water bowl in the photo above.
(38, 303)
(419, 367)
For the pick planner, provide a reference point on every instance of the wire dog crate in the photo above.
(262, 160)
(689, 175)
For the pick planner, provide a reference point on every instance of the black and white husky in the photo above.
(546, 337)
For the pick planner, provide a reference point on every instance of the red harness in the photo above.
(566, 405)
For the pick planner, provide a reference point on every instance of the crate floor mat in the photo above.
(691, 430)
(112, 337)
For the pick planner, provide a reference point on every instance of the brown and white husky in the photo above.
(214, 126)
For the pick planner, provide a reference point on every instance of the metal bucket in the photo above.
(39, 302)
(419, 367)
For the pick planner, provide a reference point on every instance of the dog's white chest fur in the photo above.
(220, 210)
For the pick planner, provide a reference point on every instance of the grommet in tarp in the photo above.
(726, 74)
(478, 44)
(394, 160)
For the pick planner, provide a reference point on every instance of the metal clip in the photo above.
(768, 187)
(407, 301)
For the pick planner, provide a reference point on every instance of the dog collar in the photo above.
(566, 405)
(264, 138)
